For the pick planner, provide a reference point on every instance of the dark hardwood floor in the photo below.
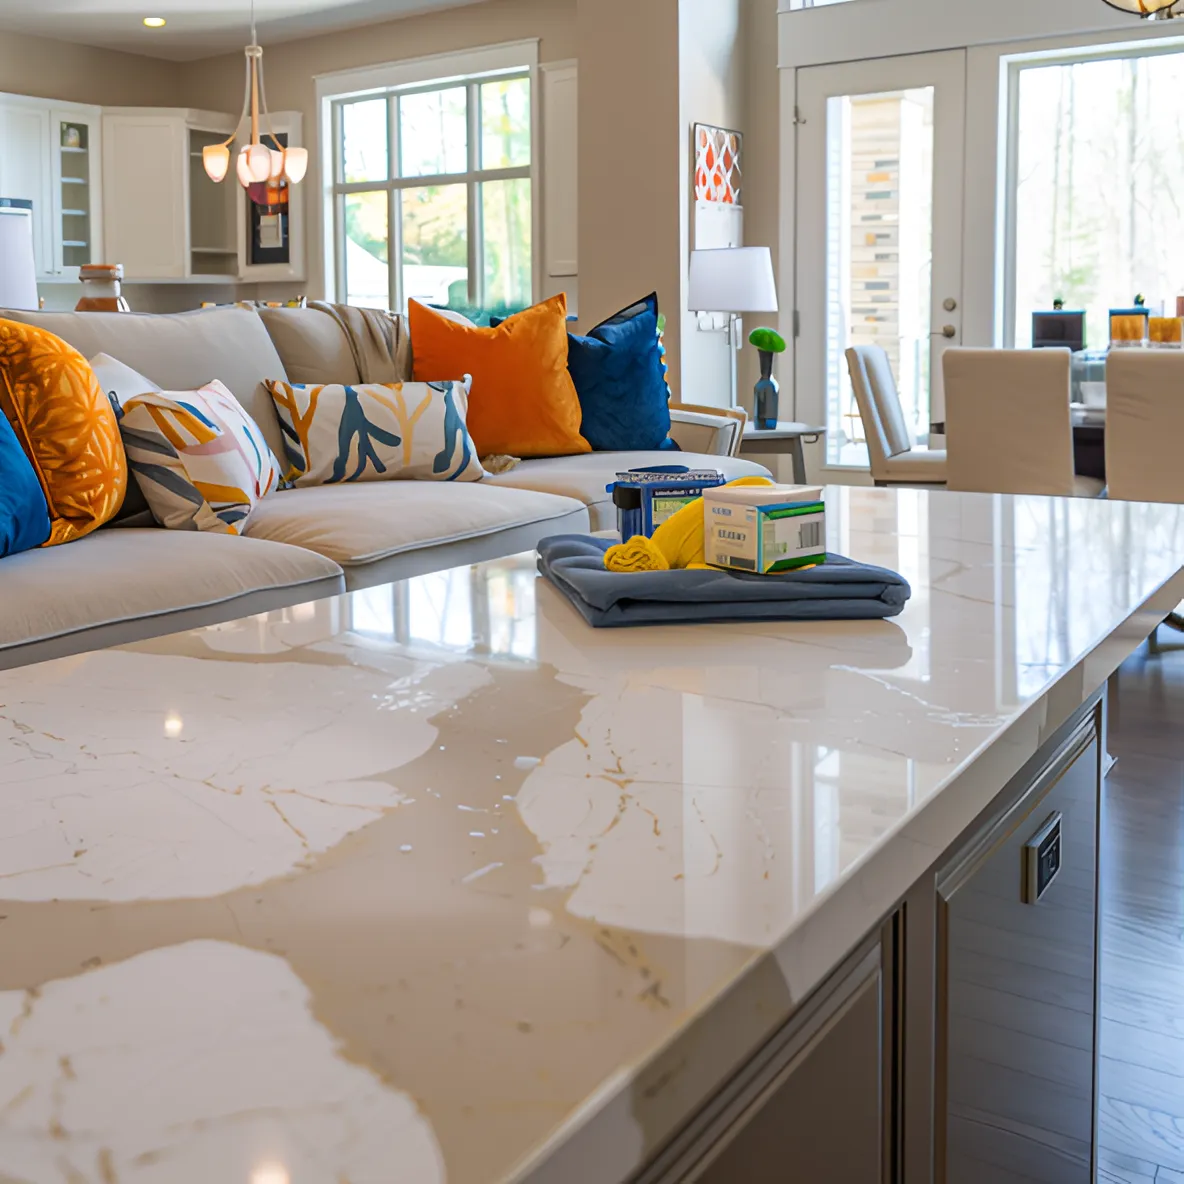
(1142, 1029)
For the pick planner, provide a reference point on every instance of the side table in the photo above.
(784, 440)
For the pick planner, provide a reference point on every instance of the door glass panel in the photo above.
(879, 255)
(436, 245)
(367, 252)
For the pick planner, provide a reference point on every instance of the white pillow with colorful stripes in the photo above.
(200, 460)
(408, 431)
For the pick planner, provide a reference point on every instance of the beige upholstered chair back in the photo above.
(1008, 425)
(879, 405)
(1145, 425)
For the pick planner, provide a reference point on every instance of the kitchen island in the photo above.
(432, 882)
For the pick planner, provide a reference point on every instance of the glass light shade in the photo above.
(258, 161)
(215, 158)
(733, 279)
(295, 164)
(1145, 7)
(277, 165)
(242, 169)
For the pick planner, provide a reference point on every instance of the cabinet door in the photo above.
(810, 1107)
(75, 148)
(1017, 1007)
(145, 192)
(25, 172)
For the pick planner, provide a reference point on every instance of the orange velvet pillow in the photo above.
(523, 401)
(66, 425)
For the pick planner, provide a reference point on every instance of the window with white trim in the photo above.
(432, 195)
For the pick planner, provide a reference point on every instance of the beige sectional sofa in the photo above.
(128, 582)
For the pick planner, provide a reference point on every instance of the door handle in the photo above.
(946, 331)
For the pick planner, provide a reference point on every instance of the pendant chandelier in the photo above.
(258, 162)
(1161, 10)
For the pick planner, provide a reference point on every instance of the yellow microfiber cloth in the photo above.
(677, 544)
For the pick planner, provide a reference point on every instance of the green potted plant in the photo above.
(767, 393)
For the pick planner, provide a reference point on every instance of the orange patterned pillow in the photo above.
(66, 426)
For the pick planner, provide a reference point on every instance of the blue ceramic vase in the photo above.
(766, 395)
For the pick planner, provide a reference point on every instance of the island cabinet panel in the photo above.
(814, 1104)
(1017, 950)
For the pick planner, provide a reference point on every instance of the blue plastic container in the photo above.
(645, 498)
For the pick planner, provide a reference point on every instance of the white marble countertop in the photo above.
(429, 882)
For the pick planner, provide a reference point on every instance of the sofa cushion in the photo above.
(116, 586)
(311, 344)
(621, 380)
(200, 459)
(24, 512)
(585, 477)
(338, 433)
(524, 402)
(182, 351)
(66, 426)
(365, 527)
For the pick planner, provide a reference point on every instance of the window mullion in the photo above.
(476, 253)
(394, 206)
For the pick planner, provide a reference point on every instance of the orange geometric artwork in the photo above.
(718, 173)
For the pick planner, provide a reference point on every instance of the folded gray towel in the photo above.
(839, 590)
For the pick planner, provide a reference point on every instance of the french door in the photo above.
(879, 208)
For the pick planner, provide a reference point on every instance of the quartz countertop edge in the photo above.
(635, 1113)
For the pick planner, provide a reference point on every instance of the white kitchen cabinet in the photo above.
(25, 172)
(76, 166)
(165, 219)
(50, 155)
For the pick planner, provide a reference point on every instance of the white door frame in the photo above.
(946, 72)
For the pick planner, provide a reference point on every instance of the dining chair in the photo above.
(1009, 428)
(1145, 425)
(894, 459)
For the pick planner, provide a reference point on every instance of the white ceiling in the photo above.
(196, 28)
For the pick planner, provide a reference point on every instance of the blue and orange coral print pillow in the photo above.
(410, 431)
(200, 460)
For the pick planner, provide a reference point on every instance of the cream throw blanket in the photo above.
(379, 340)
(381, 345)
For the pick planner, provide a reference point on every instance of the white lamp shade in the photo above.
(277, 165)
(215, 159)
(242, 170)
(734, 279)
(258, 161)
(18, 272)
(295, 164)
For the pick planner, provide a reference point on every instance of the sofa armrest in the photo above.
(709, 430)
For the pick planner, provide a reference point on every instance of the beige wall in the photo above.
(762, 166)
(216, 83)
(79, 74)
(711, 88)
(629, 160)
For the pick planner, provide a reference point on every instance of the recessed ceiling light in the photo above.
(154, 22)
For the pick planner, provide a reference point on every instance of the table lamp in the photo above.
(732, 280)
(18, 272)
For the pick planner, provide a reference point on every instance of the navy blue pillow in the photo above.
(24, 516)
(621, 381)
